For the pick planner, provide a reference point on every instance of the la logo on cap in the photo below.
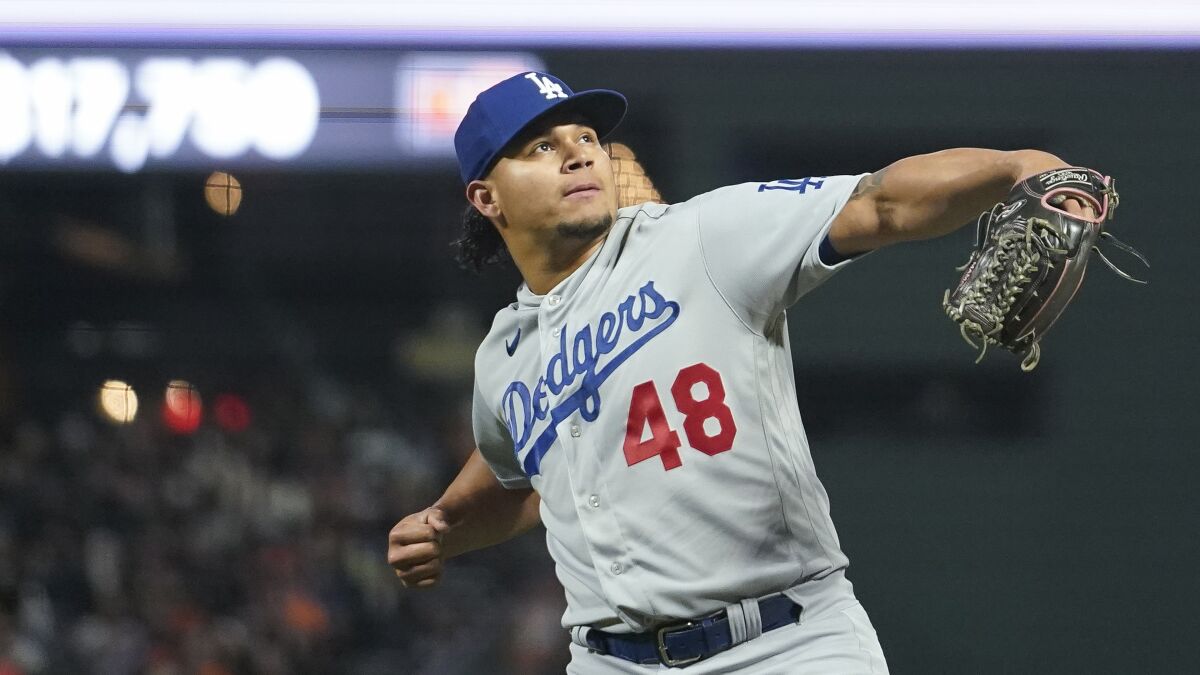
(547, 87)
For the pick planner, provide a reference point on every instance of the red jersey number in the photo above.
(646, 409)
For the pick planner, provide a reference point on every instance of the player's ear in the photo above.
(481, 196)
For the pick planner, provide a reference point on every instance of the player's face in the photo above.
(556, 180)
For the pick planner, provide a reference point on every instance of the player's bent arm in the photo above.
(480, 512)
(476, 511)
(930, 195)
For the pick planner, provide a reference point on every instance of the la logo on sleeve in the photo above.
(800, 185)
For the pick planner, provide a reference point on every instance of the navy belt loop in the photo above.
(579, 635)
(745, 621)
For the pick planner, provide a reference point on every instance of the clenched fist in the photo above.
(415, 547)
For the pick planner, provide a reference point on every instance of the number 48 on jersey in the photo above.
(646, 409)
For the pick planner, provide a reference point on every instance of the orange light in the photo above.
(223, 193)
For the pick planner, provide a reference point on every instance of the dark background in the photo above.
(996, 522)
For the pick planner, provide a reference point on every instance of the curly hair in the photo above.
(480, 244)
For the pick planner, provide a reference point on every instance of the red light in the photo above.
(231, 412)
(181, 410)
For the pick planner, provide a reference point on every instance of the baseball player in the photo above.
(637, 398)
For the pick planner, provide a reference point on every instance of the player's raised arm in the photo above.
(475, 512)
(930, 195)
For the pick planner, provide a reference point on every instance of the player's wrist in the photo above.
(1025, 163)
(445, 513)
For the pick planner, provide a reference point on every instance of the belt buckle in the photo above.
(663, 656)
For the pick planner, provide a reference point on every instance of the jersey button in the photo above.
(554, 300)
(556, 332)
(616, 568)
(575, 431)
(594, 501)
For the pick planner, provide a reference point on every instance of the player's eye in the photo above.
(541, 146)
(587, 138)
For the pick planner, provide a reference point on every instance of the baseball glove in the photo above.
(633, 185)
(1029, 259)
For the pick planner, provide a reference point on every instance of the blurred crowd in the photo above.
(129, 549)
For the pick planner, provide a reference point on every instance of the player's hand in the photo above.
(415, 548)
(1033, 163)
(1078, 207)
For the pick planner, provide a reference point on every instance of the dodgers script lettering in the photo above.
(617, 335)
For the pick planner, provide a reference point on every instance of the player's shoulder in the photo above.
(658, 209)
(784, 200)
(647, 211)
(636, 225)
(657, 223)
(724, 192)
(786, 188)
(723, 195)
(651, 216)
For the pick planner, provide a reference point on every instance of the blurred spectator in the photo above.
(126, 549)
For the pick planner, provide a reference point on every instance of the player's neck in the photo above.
(544, 267)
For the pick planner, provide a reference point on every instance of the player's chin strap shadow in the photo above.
(1124, 247)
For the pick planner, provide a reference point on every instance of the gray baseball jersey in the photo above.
(649, 399)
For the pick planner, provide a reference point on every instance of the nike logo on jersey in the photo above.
(512, 348)
(638, 319)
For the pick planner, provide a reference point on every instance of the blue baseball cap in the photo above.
(500, 113)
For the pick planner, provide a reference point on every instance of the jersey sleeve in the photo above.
(495, 444)
(760, 241)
